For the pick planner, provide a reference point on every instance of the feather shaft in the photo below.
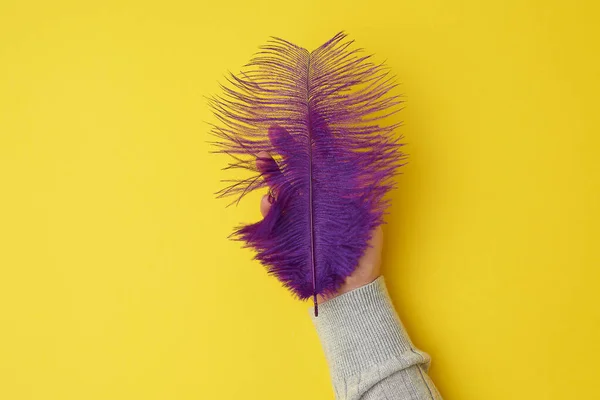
(310, 193)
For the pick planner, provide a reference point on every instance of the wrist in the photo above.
(353, 282)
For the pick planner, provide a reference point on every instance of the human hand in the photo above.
(369, 265)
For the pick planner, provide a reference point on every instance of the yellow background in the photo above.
(116, 277)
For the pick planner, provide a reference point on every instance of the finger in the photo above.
(269, 169)
(267, 166)
(282, 140)
(265, 204)
(263, 160)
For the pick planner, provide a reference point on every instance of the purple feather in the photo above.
(319, 115)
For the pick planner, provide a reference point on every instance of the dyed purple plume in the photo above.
(319, 117)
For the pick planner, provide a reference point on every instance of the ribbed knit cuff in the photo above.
(360, 329)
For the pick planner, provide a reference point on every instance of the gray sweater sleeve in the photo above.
(370, 356)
